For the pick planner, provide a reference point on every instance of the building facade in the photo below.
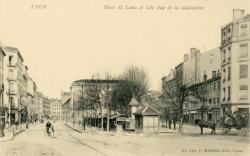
(13, 80)
(40, 105)
(46, 107)
(206, 100)
(3, 107)
(56, 109)
(235, 42)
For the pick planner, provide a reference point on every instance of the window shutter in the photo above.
(243, 50)
(243, 71)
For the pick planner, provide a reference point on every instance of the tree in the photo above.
(200, 92)
(98, 96)
(132, 82)
(178, 92)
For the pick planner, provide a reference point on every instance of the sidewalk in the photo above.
(10, 133)
(195, 129)
(98, 131)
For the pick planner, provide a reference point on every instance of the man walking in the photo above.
(48, 126)
(53, 128)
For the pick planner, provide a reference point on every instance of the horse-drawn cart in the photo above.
(233, 120)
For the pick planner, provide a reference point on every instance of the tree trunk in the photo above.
(180, 125)
(181, 121)
(1, 130)
(108, 121)
(102, 123)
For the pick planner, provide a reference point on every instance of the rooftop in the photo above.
(147, 111)
(133, 102)
(13, 50)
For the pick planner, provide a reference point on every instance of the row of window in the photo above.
(243, 72)
(243, 93)
(243, 52)
(209, 87)
(242, 30)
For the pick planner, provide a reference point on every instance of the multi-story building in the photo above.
(198, 64)
(30, 99)
(65, 107)
(235, 82)
(13, 82)
(64, 96)
(168, 86)
(65, 101)
(40, 105)
(46, 107)
(56, 109)
(205, 100)
(3, 108)
(198, 70)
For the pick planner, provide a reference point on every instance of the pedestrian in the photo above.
(169, 123)
(27, 123)
(53, 128)
(174, 121)
(48, 126)
(84, 121)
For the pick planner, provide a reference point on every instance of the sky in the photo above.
(71, 40)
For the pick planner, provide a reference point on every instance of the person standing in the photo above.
(174, 121)
(169, 123)
(48, 126)
(53, 128)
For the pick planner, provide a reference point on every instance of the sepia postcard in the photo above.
(124, 77)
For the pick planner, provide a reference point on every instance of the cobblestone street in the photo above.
(35, 141)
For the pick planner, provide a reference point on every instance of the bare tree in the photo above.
(133, 81)
(178, 92)
(200, 92)
(99, 93)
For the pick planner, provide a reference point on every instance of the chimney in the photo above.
(192, 52)
(238, 13)
(186, 57)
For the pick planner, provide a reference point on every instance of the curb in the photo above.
(12, 136)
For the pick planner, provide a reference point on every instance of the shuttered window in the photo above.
(244, 71)
(243, 50)
(243, 92)
(243, 29)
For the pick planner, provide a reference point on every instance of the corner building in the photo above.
(235, 82)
